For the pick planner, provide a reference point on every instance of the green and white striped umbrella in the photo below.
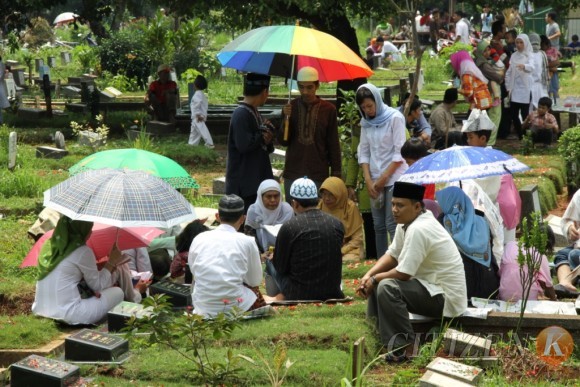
(122, 198)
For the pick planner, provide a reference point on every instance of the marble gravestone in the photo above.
(36, 370)
(179, 295)
(59, 140)
(118, 316)
(93, 346)
(12, 150)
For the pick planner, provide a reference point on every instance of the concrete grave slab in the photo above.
(160, 128)
(457, 343)
(59, 140)
(463, 373)
(49, 152)
(219, 186)
(555, 222)
(71, 91)
(179, 294)
(30, 113)
(91, 139)
(434, 379)
(90, 345)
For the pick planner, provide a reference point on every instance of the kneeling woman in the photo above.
(335, 202)
(64, 262)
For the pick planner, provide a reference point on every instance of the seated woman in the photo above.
(472, 236)
(510, 288)
(268, 210)
(179, 269)
(65, 262)
(335, 202)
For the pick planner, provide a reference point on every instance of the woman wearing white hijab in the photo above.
(518, 81)
(540, 77)
(269, 209)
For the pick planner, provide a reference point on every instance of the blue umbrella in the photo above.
(461, 163)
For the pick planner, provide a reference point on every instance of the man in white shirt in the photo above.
(421, 272)
(461, 28)
(486, 20)
(225, 264)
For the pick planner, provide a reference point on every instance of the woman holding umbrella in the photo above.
(379, 154)
(67, 268)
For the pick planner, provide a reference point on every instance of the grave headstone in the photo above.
(179, 295)
(11, 63)
(10, 89)
(118, 316)
(12, 151)
(219, 186)
(59, 140)
(48, 152)
(36, 370)
(463, 373)
(71, 92)
(435, 379)
(38, 63)
(65, 58)
(91, 139)
(113, 91)
(51, 60)
(457, 343)
(19, 78)
(30, 113)
(530, 201)
(160, 128)
(93, 346)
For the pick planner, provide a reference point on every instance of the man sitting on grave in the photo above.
(307, 261)
(161, 98)
(225, 264)
(419, 273)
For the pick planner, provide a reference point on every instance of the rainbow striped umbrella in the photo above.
(283, 50)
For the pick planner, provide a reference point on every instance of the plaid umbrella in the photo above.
(122, 198)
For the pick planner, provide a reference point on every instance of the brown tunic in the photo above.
(313, 145)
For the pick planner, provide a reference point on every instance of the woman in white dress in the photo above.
(65, 261)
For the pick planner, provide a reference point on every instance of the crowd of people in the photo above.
(434, 250)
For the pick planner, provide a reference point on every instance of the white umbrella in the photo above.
(122, 198)
(65, 17)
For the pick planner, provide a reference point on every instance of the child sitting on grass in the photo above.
(543, 125)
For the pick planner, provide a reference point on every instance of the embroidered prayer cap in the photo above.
(406, 190)
(304, 188)
(162, 68)
(478, 120)
(450, 95)
(253, 79)
(231, 203)
(307, 74)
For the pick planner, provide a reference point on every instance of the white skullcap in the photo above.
(304, 188)
(307, 74)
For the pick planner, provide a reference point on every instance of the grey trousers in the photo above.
(389, 307)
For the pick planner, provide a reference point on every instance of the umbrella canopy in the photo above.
(141, 160)
(121, 198)
(461, 163)
(101, 240)
(270, 50)
(65, 17)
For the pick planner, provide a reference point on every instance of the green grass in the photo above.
(20, 332)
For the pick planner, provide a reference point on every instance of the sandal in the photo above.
(564, 292)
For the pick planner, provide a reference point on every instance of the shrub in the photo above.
(39, 34)
(569, 149)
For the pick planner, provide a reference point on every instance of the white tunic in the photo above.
(222, 261)
(58, 297)
(426, 251)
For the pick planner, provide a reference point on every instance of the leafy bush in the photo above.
(125, 53)
(86, 55)
(40, 33)
(569, 149)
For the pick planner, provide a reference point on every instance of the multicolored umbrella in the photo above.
(121, 198)
(139, 160)
(283, 50)
(101, 240)
(461, 163)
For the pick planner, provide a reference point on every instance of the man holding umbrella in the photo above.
(249, 142)
(312, 137)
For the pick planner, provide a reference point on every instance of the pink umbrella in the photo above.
(101, 240)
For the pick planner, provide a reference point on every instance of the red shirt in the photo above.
(159, 89)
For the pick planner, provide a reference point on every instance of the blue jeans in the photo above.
(383, 221)
(567, 256)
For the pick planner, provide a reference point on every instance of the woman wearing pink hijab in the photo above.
(473, 83)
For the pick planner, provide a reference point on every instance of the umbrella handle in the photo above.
(286, 127)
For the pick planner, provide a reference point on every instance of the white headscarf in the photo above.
(524, 56)
(259, 216)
